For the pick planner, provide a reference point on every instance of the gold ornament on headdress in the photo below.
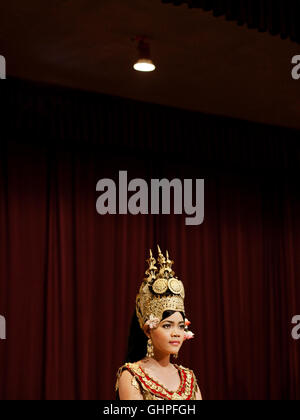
(160, 290)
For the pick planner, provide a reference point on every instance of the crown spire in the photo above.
(169, 264)
(152, 269)
(161, 259)
(160, 290)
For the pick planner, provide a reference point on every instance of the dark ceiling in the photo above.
(204, 63)
(276, 16)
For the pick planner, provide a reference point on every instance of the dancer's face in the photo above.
(167, 338)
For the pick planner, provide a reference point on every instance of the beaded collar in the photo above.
(184, 391)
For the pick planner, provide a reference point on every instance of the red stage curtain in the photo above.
(68, 276)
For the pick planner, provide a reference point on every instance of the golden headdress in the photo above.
(160, 290)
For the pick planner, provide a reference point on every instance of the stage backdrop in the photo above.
(68, 276)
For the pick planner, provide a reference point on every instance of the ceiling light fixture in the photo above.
(144, 62)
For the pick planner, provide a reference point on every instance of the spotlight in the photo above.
(144, 62)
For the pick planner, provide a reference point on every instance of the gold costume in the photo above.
(152, 389)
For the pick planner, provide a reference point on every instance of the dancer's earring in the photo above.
(150, 350)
